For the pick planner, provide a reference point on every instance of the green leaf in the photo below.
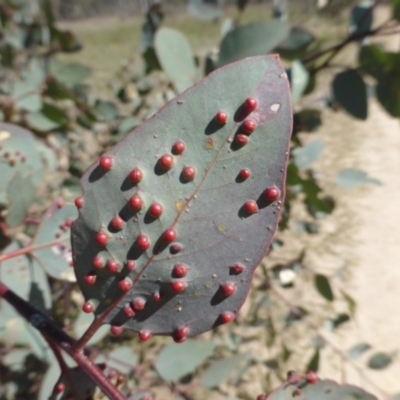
(313, 364)
(396, 9)
(380, 360)
(296, 44)
(69, 74)
(48, 155)
(387, 92)
(306, 120)
(24, 158)
(203, 10)
(56, 259)
(228, 25)
(32, 102)
(47, 119)
(177, 360)
(21, 194)
(106, 110)
(253, 39)
(298, 79)
(350, 91)
(356, 351)
(306, 155)
(154, 18)
(361, 17)
(48, 12)
(127, 125)
(176, 58)
(25, 277)
(334, 323)
(219, 370)
(323, 286)
(351, 303)
(350, 178)
(374, 61)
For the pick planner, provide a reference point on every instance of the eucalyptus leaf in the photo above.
(361, 17)
(21, 194)
(323, 286)
(298, 79)
(313, 364)
(178, 360)
(357, 350)
(252, 39)
(69, 73)
(219, 370)
(350, 178)
(55, 225)
(306, 155)
(380, 360)
(350, 91)
(176, 58)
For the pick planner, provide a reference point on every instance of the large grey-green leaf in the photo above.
(213, 234)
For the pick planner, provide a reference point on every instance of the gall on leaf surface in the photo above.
(213, 232)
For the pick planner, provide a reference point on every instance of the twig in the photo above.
(48, 327)
(30, 249)
(335, 49)
(63, 366)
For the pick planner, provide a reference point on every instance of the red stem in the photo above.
(29, 249)
(49, 328)
(63, 365)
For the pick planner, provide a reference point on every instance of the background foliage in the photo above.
(68, 115)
